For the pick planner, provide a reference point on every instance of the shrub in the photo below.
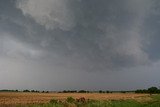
(70, 100)
(53, 101)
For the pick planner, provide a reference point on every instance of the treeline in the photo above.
(84, 91)
(5, 90)
(100, 91)
(67, 91)
(151, 90)
(36, 91)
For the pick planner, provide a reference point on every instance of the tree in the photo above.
(153, 90)
(100, 91)
(26, 90)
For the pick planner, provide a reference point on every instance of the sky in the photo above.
(79, 44)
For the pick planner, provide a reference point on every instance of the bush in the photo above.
(107, 91)
(70, 100)
(53, 101)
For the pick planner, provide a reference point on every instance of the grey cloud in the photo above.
(99, 36)
(50, 13)
(67, 38)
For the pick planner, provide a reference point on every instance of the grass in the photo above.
(95, 103)
(127, 103)
(156, 97)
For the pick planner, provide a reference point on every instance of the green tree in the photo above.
(153, 90)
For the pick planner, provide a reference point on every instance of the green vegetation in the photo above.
(70, 100)
(5, 90)
(82, 102)
(53, 101)
(151, 90)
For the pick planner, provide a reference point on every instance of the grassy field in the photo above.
(21, 99)
(154, 102)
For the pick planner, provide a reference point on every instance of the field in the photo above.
(8, 99)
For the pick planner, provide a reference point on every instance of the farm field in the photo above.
(8, 99)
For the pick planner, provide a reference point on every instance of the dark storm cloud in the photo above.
(57, 37)
(103, 34)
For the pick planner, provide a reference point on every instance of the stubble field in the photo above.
(15, 98)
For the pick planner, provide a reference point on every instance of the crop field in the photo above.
(9, 99)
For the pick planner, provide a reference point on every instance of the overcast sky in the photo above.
(79, 44)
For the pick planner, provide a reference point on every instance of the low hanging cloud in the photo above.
(13, 48)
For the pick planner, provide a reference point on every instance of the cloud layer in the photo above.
(50, 13)
(104, 34)
(67, 38)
